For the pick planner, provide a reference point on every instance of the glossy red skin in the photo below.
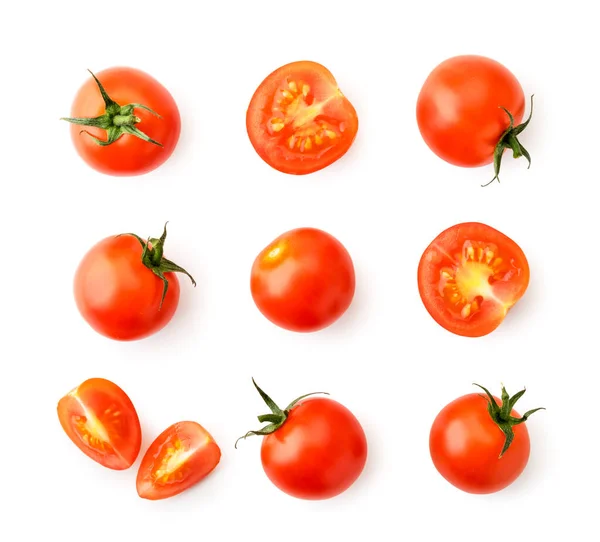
(113, 409)
(465, 443)
(507, 292)
(337, 110)
(205, 456)
(458, 108)
(129, 155)
(318, 453)
(118, 295)
(307, 285)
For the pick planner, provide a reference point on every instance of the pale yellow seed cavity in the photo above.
(466, 311)
(292, 86)
(307, 144)
(305, 90)
(330, 134)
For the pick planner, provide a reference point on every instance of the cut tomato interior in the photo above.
(102, 422)
(299, 121)
(470, 276)
(180, 457)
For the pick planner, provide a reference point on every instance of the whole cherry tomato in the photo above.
(314, 449)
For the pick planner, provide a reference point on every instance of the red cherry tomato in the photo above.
(303, 281)
(470, 276)
(299, 121)
(125, 289)
(181, 456)
(102, 422)
(314, 449)
(479, 444)
(469, 112)
(124, 122)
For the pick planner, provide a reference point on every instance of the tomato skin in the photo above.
(465, 444)
(200, 452)
(459, 108)
(330, 106)
(304, 280)
(318, 452)
(129, 155)
(100, 407)
(502, 289)
(118, 296)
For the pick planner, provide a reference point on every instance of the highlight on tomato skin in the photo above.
(102, 422)
(470, 276)
(298, 119)
(180, 457)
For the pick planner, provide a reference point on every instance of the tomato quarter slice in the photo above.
(470, 276)
(101, 421)
(181, 456)
(299, 121)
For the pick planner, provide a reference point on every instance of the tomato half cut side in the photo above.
(470, 276)
(181, 456)
(299, 121)
(102, 422)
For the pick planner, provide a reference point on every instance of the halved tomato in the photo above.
(101, 420)
(181, 456)
(470, 276)
(298, 119)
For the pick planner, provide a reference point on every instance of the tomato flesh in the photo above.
(459, 108)
(304, 280)
(298, 120)
(102, 422)
(470, 276)
(118, 295)
(181, 456)
(465, 444)
(319, 451)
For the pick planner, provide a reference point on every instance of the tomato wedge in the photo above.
(101, 420)
(181, 456)
(470, 276)
(298, 119)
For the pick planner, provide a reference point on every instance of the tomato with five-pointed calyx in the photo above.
(469, 112)
(181, 456)
(304, 280)
(126, 289)
(124, 122)
(298, 119)
(479, 443)
(102, 422)
(314, 449)
(470, 276)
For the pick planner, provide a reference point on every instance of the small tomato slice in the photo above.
(470, 276)
(298, 119)
(181, 456)
(102, 422)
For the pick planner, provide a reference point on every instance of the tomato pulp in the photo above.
(102, 422)
(298, 120)
(303, 281)
(470, 276)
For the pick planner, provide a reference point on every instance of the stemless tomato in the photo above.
(181, 456)
(303, 281)
(298, 119)
(102, 422)
(470, 276)
(314, 449)
(124, 122)
(125, 289)
(480, 445)
(467, 111)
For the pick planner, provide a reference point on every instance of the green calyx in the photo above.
(277, 417)
(153, 259)
(117, 120)
(509, 140)
(502, 414)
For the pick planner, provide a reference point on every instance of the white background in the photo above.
(386, 359)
